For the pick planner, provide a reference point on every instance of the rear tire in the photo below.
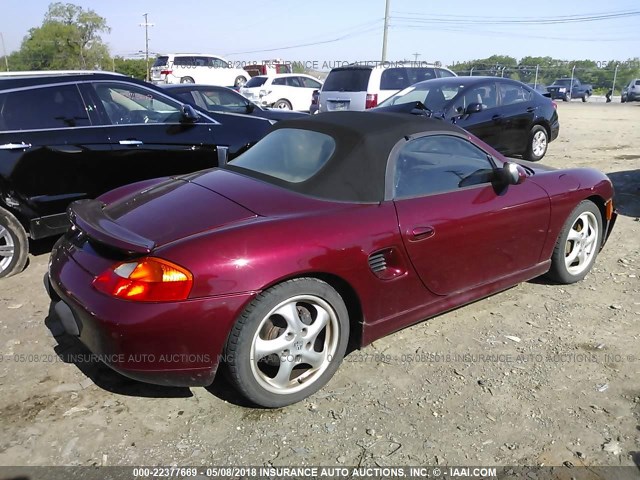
(578, 244)
(288, 342)
(585, 97)
(538, 143)
(187, 80)
(14, 245)
(283, 104)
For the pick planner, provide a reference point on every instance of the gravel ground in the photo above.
(538, 375)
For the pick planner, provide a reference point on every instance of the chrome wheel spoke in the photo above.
(283, 377)
(318, 325)
(6, 250)
(276, 346)
(574, 235)
(290, 313)
(572, 256)
(313, 358)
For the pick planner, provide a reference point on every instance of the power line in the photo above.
(479, 19)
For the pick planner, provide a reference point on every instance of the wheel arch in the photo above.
(600, 203)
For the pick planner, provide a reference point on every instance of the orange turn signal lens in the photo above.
(149, 279)
(609, 209)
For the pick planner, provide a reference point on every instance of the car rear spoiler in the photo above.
(89, 217)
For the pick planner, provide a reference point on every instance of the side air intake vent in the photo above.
(377, 262)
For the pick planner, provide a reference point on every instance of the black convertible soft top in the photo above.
(364, 140)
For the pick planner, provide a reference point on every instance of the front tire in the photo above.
(187, 80)
(288, 342)
(585, 97)
(538, 143)
(14, 245)
(578, 244)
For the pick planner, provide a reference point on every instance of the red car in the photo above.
(334, 229)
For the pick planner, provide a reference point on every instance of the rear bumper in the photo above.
(176, 344)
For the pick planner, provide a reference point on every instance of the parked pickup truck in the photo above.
(563, 90)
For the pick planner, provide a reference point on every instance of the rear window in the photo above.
(43, 108)
(347, 80)
(637, 82)
(161, 61)
(399, 78)
(289, 154)
(255, 82)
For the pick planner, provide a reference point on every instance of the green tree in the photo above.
(69, 38)
(136, 68)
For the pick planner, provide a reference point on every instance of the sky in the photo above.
(331, 31)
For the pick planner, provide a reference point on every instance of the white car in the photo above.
(360, 87)
(197, 68)
(290, 91)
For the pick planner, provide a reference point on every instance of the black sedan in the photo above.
(510, 116)
(213, 98)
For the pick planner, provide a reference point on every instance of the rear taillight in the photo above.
(372, 100)
(555, 105)
(148, 279)
(166, 72)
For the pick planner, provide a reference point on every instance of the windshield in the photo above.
(433, 96)
(289, 154)
(255, 82)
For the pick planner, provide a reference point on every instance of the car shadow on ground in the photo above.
(627, 191)
(70, 350)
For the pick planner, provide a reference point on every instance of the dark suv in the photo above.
(65, 137)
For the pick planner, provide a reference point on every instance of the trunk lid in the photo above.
(151, 218)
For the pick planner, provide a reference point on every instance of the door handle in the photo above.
(130, 142)
(420, 233)
(496, 117)
(531, 109)
(15, 146)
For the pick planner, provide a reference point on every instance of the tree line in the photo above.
(69, 39)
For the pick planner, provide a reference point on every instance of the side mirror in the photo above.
(473, 108)
(513, 174)
(189, 115)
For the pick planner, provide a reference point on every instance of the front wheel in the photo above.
(567, 97)
(538, 143)
(288, 342)
(14, 245)
(578, 244)
(585, 97)
(187, 80)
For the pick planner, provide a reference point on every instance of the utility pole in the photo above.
(415, 56)
(4, 51)
(386, 31)
(146, 26)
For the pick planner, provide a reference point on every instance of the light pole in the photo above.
(386, 31)
(146, 26)
(4, 51)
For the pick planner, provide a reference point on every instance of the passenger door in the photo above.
(50, 150)
(147, 134)
(459, 229)
(518, 110)
(487, 124)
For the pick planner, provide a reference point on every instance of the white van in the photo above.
(357, 87)
(197, 68)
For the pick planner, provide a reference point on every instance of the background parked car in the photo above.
(269, 67)
(566, 89)
(222, 99)
(358, 87)
(75, 136)
(631, 92)
(285, 91)
(508, 115)
(197, 68)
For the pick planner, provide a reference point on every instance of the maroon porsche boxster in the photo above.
(337, 228)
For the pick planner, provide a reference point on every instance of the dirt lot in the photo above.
(539, 374)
